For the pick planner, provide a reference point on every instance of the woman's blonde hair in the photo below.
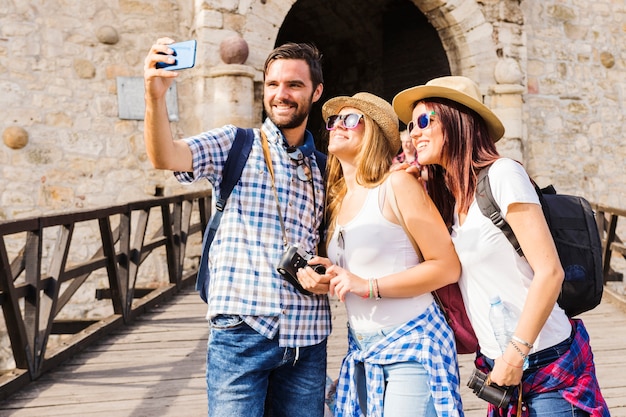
(373, 163)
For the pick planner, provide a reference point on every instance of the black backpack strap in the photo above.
(321, 159)
(490, 209)
(235, 162)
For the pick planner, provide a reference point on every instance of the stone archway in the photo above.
(368, 45)
(384, 46)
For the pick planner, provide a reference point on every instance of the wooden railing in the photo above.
(32, 297)
(607, 218)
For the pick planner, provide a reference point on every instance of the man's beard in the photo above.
(296, 119)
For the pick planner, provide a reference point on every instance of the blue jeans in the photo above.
(407, 390)
(247, 372)
(552, 404)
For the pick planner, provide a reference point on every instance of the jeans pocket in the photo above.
(225, 321)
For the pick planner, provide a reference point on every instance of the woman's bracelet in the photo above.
(522, 354)
(377, 289)
(374, 291)
(522, 341)
(510, 364)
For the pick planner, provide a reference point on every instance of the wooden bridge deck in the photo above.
(155, 367)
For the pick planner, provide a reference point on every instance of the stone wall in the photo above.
(554, 70)
(574, 110)
(60, 61)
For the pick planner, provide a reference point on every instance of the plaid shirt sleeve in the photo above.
(427, 339)
(209, 151)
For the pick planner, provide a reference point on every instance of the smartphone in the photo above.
(185, 54)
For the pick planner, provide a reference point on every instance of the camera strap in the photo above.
(270, 167)
(268, 162)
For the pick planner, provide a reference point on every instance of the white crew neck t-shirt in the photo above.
(490, 265)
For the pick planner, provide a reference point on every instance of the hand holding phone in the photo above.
(184, 55)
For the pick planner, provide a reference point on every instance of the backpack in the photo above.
(233, 167)
(574, 229)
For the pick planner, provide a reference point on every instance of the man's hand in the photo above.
(311, 280)
(157, 81)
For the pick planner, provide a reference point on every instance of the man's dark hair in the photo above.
(305, 51)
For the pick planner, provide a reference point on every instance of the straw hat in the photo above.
(459, 89)
(373, 106)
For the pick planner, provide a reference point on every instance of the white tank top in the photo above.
(374, 247)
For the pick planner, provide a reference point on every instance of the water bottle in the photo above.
(503, 322)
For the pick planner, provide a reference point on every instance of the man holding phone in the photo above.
(267, 341)
(184, 54)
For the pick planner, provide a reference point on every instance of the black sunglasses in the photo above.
(349, 121)
(303, 169)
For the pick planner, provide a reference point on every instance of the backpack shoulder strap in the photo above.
(321, 159)
(235, 162)
(490, 209)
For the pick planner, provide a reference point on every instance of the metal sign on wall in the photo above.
(130, 99)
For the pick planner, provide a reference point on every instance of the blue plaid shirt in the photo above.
(427, 339)
(249, 241)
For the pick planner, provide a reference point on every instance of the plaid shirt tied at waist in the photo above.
(426, 339)
(573, 375)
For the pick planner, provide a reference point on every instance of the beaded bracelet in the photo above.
(377, 289)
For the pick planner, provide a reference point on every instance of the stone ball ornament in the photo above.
(15, 137)
(508, 71)
(107, 35)
(234, 50)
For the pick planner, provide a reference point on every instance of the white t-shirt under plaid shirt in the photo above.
(249, 241)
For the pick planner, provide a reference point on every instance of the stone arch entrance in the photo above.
(384, 46)
(368, 45)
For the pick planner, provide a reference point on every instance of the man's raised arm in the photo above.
(164, 152)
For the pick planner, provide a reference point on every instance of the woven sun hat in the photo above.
(373, 106)
(456, 88)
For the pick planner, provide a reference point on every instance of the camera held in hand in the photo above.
(293, 259)
(481, 385)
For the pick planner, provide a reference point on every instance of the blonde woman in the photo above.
(401, 359)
